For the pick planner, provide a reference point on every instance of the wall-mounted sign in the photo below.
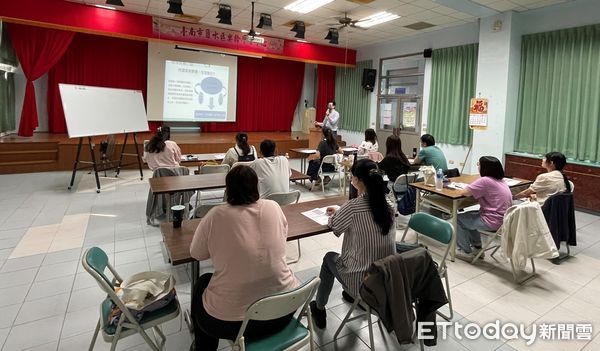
(203, 34)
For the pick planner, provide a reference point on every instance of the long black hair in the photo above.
(157, 143)
(370, 135)
(328, 134)
(489, 166)
(393, 146)
(242, 142)
(366, 170)
(559, 161)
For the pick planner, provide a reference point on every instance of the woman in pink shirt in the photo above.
(494, 199)
(246, 240)
(162, 152)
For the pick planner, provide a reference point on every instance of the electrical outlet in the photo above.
(461, 164)
(451, 162)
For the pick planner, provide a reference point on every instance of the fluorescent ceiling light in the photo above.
(377, 18)
(305, 6)
(301, 41)
(105, 7)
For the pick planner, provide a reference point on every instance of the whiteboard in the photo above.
(93, 111)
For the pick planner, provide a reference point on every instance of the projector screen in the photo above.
(190, 86)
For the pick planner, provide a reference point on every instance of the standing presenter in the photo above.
(332, 117)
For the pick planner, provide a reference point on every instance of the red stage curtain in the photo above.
(97, 61)
(38, 49)
(268, 91)
(325, 89)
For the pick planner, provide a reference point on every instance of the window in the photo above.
(400, 93)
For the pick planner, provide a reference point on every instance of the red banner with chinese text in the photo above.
(213, 36)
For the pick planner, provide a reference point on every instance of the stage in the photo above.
(56, 152)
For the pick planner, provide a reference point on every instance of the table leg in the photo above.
(454, 230)
(195, 271)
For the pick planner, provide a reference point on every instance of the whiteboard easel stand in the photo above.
(94, 164)
(137, 155)
(77, 162)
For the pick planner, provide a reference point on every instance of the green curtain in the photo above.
(7, 83)
(352, 101)
(559, 93)
(453, 79)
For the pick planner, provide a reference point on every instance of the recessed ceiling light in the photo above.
(377, 18)
(306, 6)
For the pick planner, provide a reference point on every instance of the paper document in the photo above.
(319, 215)
(511, 182)
(219, 156)
(457, 186)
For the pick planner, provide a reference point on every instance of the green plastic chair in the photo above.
(440, 231)
(95, 262)
(295, 335)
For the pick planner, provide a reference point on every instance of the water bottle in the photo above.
(439, 180)
(414, 154)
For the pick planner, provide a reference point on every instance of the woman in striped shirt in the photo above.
(369, 235)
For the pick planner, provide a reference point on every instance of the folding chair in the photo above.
(211, 169)
(331, 160)
(440, 231)
(294, 336)
(285, 199)
(201, 210)
(95, 262)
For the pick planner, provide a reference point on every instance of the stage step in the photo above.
(28, 157)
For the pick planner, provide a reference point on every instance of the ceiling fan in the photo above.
(343, 22)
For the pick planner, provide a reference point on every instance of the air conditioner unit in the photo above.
(250, 39)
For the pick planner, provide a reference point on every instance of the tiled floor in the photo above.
(47, 301)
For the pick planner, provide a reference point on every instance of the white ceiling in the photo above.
(319, 20)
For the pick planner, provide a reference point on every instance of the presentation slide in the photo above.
(195, 92)
(190, 86)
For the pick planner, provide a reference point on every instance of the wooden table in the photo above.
(200, 159)
(177, 241)
(451, 201)
(298, 176)
(304, 153)
(169, 185)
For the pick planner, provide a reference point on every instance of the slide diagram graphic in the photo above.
(197, 92)
(212, 87)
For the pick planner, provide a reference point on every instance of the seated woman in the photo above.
(494, 199)
(246, 240)
(241, 152)
(395, 161)
(369, 144)
(162, 152)
(547, 184)
(367, 223)
(327, 146)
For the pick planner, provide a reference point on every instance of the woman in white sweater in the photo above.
(369, 144)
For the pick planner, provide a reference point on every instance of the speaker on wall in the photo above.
(427, 53)
(368, 78)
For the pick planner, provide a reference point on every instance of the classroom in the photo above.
(300, 175)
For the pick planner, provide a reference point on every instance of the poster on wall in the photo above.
(409, 114)
(387, 114)
(478, 113)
